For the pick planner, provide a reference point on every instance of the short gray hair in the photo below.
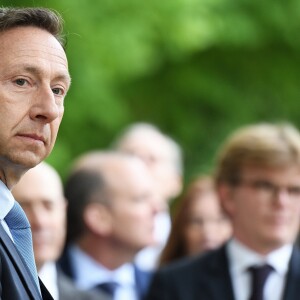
(174, 148)
(44, 18)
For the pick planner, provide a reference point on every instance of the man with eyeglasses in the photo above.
(258, 181)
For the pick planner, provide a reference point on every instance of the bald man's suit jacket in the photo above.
(207, 278)
(16, 281)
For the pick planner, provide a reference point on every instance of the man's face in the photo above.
(34, 80)
(40, 195)
(265, 207)
(133, 207)
(156, 154)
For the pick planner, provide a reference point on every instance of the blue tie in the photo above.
(20, 229)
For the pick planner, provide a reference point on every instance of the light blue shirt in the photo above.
(89, 273)
(6, 203)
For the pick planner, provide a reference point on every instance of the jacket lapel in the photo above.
(292, 288)
(142, 280)
(220, 279)
(19, 264)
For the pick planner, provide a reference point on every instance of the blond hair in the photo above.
(264, 144)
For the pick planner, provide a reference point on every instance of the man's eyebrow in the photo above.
(64, 76)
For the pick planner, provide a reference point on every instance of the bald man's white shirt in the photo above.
(6, 203)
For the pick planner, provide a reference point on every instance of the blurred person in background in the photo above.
(199, 222)
(40, 193)
(258, 182)
(163, 157)
(110, 218)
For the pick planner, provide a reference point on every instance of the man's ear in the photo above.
(175, 186)
(65, 205)
(226, 196)
(97, 218)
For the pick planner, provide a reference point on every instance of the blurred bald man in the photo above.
(40, 193)
(111, 213)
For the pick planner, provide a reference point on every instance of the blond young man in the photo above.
(111, 210)
(258, 181)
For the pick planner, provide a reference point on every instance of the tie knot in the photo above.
(16, 218)
(261, 272)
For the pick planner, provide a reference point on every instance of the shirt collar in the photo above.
(48, 274)
(6, 200)
(241, 257)
(89, 273)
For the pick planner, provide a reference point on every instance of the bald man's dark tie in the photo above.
(259, 277)
(108, 288)
(20, 229)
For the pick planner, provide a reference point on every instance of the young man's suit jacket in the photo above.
(16, 281)
(207, 278)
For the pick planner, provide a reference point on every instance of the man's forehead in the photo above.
(30, 42)
(271, 171)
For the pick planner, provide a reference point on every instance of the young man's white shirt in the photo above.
(241, 258)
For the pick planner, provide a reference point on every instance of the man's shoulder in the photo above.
(205, 275)
(203, 263)
(294, 265)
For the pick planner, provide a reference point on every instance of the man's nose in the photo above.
(45, 107)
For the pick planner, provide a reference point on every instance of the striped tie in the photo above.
(20, 229)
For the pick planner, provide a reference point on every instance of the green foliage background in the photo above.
(198, 69)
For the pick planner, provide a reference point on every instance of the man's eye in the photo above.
(57, 91)
(294, 190)
(264, 185)
(20, 81)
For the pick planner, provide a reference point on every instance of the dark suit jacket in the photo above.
(142, 278)
(16, 281)
(207, 278)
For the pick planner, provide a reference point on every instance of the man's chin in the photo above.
(29, 160)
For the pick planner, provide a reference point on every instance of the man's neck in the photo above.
(108, 255)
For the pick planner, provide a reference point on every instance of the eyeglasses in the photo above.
(268, 189)
(201, 222)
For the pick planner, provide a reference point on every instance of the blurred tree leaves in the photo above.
(196, 68)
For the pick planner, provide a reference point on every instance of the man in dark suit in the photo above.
(40, 193)
(34, 80)
(258, 181)
(111, 209)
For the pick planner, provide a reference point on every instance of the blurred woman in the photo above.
(199, 223)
